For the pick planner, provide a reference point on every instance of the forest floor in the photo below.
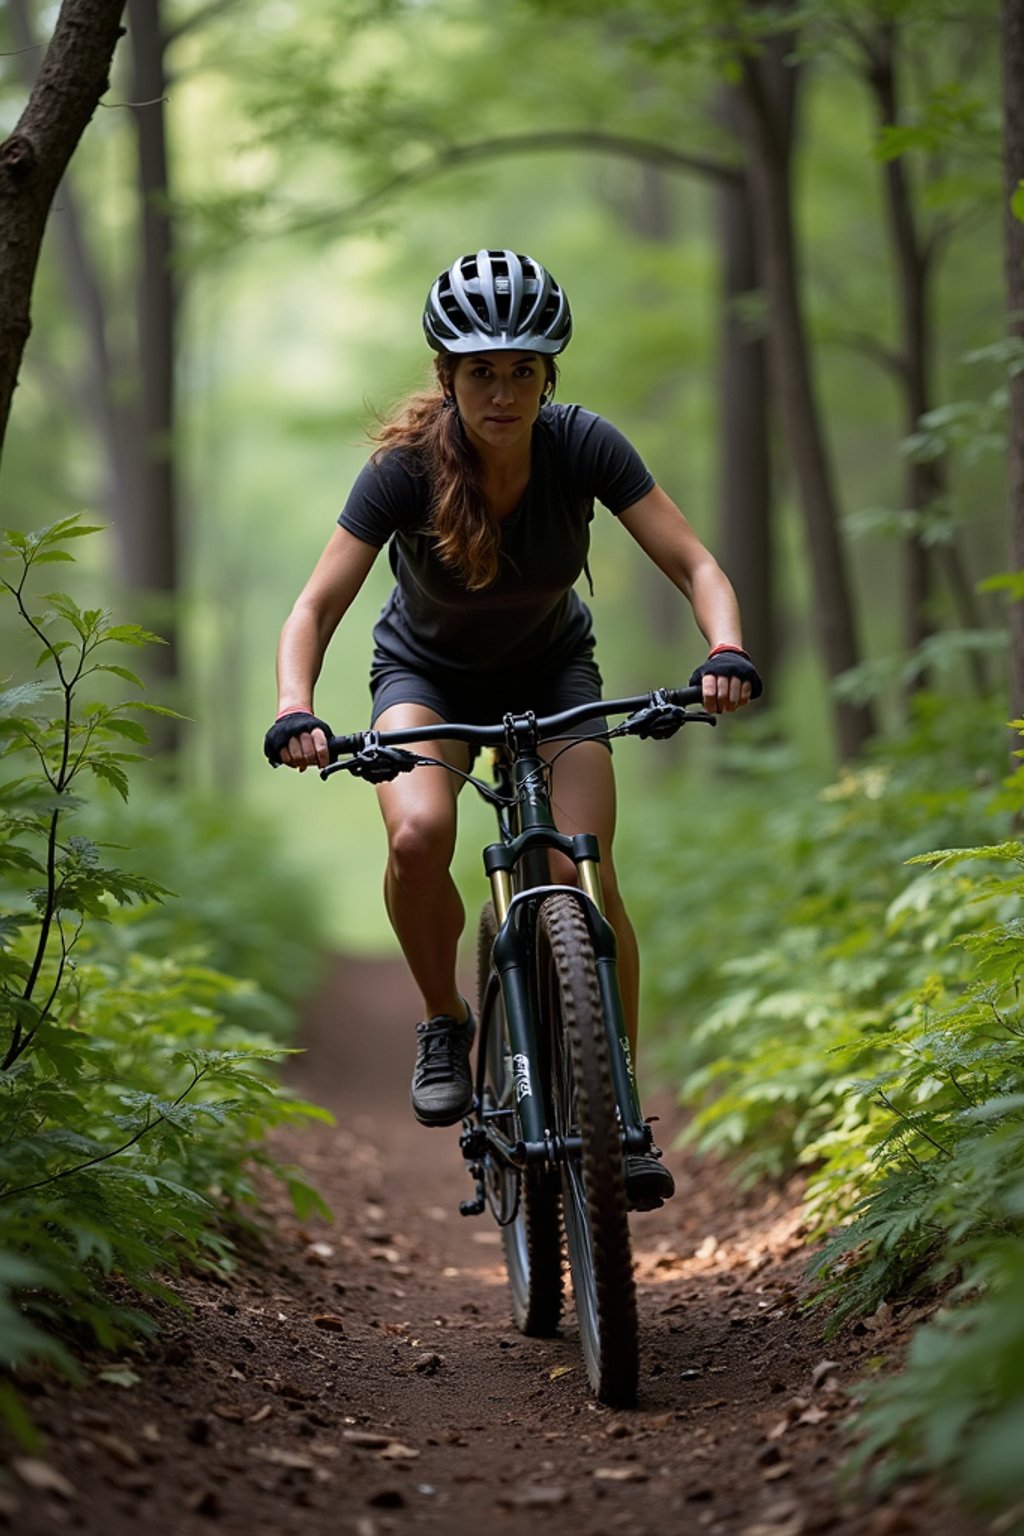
(363, 1378)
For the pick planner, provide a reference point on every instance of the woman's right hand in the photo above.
(297, 739)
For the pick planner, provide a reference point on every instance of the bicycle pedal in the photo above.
(472, 1207)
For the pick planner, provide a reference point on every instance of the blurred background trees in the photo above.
(781, 227)
(792, 235)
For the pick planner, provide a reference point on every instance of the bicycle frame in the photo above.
(517, 869)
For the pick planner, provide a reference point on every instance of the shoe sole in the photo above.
(438, 1122)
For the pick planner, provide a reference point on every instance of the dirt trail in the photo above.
(363, 1379)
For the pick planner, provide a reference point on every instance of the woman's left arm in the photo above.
(666, 537)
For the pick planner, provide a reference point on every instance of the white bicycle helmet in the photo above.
(497, 300)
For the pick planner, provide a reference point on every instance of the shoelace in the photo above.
(438, 1046)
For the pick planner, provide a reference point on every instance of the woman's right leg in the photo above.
(424, 906)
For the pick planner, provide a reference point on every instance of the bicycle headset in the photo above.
(497, 300)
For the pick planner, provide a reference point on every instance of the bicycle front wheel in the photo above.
(525, 1203)
(594, 1211)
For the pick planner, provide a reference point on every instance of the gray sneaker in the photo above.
(648, 1182)
(442, 1086)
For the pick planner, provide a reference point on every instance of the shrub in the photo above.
(133, 1108)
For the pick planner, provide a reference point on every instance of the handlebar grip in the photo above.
(345, 746)
(684, 696)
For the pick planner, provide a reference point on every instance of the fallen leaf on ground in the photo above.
(559, 1370)
(534, 1498)
(396, 1451)
(368, 1439)
(331, 1321)
(822, 1369)
(121, 1451)
(792, 1527)
(279, 1457)
(42, 1478)
(620, 1475)
(119, 1376)
(781, 1469)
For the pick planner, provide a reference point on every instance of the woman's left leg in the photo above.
(583, 800)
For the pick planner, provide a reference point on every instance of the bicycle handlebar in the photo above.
(494, 735)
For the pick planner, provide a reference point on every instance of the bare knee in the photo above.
(420, 849)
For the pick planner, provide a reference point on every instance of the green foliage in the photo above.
(866, 1023)
(135, 1092)
(243, 906)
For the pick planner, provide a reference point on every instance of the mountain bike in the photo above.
(556, 1107)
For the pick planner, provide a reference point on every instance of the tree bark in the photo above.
(745, 470)
(150, 534)
(73, 76)
(99, 400)
(914, 263)
(767, 94)
(1013, 158)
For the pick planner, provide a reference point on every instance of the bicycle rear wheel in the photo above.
(524, 1204)
(594, 1209)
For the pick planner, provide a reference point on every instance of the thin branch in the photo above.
(960, 1090)
(869, 346)
(116, 106)
(591, 140)
(918, 1130)
(198, 18)
(104, 1157)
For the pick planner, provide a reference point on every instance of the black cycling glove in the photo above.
(283, 729)
(731, 662)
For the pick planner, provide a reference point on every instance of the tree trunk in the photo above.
(1013, 151)
(99, 399)
(745, 470)
(73, 76)
(767, 89)
(150, 535)
(914, 262)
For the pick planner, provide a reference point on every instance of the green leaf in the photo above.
(13, 1414)
(110, 774)
(132, 634)
(306, 1201)
(119, 1376)
(123, 672)
(128, 728)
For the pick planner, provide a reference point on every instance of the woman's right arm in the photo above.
(319, 609)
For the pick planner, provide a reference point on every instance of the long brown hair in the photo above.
(428, 425)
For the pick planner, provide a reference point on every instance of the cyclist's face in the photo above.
(499, 396)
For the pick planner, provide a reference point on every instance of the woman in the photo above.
(484, 490)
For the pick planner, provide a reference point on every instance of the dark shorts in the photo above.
(481, 698)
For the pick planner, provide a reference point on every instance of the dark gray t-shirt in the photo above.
(530, 613)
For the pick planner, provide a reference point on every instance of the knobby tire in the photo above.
(526, 1205)
(594, 1210)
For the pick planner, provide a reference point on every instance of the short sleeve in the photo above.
(385, 498)
(620, 475)
(605, 460)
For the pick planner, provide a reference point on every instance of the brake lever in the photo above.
(661, 721)
(376, 764)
